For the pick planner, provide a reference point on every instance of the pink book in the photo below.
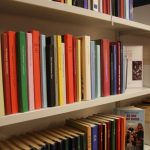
(30, 71)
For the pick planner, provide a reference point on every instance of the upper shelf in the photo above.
(47, 112)
(60, 12)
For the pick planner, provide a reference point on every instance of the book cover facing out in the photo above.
(134, 127)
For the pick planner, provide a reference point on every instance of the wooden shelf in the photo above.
(52, 111)
(71, 14)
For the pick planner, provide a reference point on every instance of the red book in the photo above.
(5, 72)
(105, 67)
(74, 68)
(108, 6)
(118, 134)
(13, 70)
(118, 67)
(36, 68)
(104, 6)
(69, 68)
(122, 8)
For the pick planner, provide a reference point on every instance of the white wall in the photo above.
(142, 14)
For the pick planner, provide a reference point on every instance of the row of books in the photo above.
(97, 132)
(119, 8)
(40, 71)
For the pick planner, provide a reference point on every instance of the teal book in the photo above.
(43, 70)
(22, 71)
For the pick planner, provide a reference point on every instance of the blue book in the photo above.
(92, 53)
(94, 137)
(113, 70)
(43, 70)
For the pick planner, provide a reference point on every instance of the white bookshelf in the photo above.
(52, 18)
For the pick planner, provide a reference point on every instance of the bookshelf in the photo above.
(52, 18)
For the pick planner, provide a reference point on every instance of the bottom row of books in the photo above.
(96, 132)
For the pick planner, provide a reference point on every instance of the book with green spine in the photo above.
(22, 71)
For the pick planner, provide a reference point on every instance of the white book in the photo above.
(127, 9)
(64, 73)
(95, 5)
(101, 6)
(134, 56)
(85, 68)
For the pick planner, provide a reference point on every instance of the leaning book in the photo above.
(134, 127)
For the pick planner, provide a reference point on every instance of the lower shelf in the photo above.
(146, 147)
(52, 111)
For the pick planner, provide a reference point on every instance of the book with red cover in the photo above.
(75, 68)
(5, 72)
(118, 66)
(122, 8)
(108, 6)
(104, 6)
(13, 70)
(36, 68)
(105, 67)
(69, 68)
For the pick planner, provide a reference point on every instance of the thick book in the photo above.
(69, 68)
(13, 70)
(93, 69)
(43, 70)
(94, 4)
(135, 125)
(105, 67)
(22, 71)
(85, 68)
(134, 66)
(50, 72)
(36, 68)
(30, 71)
(5, 73)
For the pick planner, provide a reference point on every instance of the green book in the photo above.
(22, 71)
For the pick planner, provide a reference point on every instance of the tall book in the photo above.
(13, 70)
(30, 71)
(2, 108)
(92, 53)
(78, 61)
(36, 68)
(69, 68)
(43, 69)
(94, 4)
(22, 71)
(85, 68)
(6, 72)
(51, 63)
(60, 69)
(105, 67)
(135, 122)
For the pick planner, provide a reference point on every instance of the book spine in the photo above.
(30, 72)
(101, 6)
(95, 5)
(93, 81)
(108, 6)
(86, 4)
(60, 69)
(95, 138)
(104, 6)
(122, 69)
(75, 67)
(2, 107)
(43, 70)
(69, 68)
(127, 9)
(22, 71)
(6, 73)
(78, 60)
(122, 8)
(105, 67)
(13, 70)
(64, 73)
(115, 69)
(89, 4)
(111, 71)
(130, 9)
(36, 68)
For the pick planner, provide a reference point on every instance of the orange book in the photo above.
(69, 68)
(123, 132)
(122, 8)
(36, 68)
(13, 70)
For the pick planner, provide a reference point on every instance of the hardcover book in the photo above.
(135, 122)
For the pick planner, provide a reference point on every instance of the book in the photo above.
(36, 68)
(94, 4)
(85, 68)
(135, 122)
(22, 71)
(135, 66)
(30, 78)
(2, 107)
(43, 70)
(11, 145)
(13, 70)
(69, 68)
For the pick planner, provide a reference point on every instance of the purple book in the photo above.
(130, 9)
(86, 4)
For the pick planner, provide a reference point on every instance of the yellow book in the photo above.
(2, 109)
(60, 69)
(78, 60)
(69, 2)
